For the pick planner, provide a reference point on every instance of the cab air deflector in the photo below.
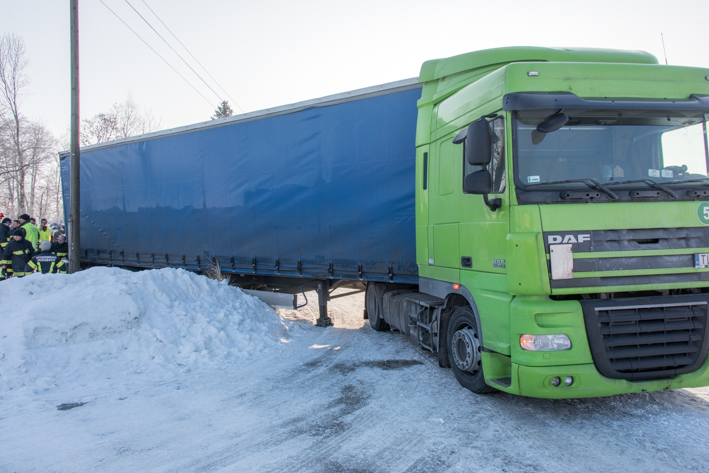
(559, 100)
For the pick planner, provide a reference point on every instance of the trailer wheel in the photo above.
(464, 351)
(373, 303)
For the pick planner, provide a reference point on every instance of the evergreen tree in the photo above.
(224, 110)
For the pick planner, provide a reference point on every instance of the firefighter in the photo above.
(18, 252)
(31, 232)
(4, 233)
(5, 237)
(47, 262)
(60, 247)
(45, 233)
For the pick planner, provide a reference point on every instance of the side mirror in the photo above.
(478, 182)
(478, 150)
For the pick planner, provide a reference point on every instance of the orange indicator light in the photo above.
(456, 286)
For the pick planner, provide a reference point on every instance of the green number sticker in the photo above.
(703, 212)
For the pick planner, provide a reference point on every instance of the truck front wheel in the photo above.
(464, 351)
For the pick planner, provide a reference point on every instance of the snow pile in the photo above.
(108, 320)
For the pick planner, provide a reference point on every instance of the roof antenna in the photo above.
(663, 47)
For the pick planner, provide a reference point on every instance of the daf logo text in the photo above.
(555, 239)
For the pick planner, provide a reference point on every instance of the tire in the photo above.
(464, 351)
(373, 303)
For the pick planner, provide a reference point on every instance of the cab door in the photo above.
(443, 217)
(482, 230)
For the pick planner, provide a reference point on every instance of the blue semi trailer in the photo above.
(318, 193)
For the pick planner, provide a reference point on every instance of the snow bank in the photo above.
(108, 319)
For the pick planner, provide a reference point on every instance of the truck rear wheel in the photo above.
(464, 351)
(373, 303)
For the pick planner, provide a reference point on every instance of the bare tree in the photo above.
(29, 165)
(27, 148)
(48, 194)
(124, 119)
(40, 151)
(12, 82)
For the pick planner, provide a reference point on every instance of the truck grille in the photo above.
(656, 254)
(647, 338)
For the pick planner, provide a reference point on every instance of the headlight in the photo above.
(545, 342)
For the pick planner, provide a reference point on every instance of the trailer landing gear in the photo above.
(323, 296)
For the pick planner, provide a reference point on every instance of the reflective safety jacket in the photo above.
(16, 256)
(44, 235)
(31, 234)
(60, 250)
(4, 236)
(47, 263)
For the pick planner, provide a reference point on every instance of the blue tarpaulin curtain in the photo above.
(331, 187)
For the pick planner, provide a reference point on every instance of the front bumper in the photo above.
(530, 373)
(535, 381)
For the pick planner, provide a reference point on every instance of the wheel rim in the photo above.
(466, 350)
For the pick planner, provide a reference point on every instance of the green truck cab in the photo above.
(562, 223)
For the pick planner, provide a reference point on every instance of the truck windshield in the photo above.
(611, 146)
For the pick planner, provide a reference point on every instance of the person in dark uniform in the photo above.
(47, 262)
(18, 252)
(60, 247)
(4, 232)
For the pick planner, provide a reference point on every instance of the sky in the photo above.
(275, 52)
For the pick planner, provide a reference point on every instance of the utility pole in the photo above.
(75, 169)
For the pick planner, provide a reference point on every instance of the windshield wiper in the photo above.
(705, 180)
(592, 183)
(648, 182)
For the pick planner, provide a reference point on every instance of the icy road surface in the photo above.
(163, 371)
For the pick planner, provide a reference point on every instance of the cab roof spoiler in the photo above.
(566, 100)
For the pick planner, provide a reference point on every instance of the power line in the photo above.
(151, 48)
(663, 47)
(188, 52)
(173, 49)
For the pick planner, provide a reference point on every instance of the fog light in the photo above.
(545, 342)
(569, 380)
(555, 381)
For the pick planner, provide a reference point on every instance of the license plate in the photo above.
(701, 260)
